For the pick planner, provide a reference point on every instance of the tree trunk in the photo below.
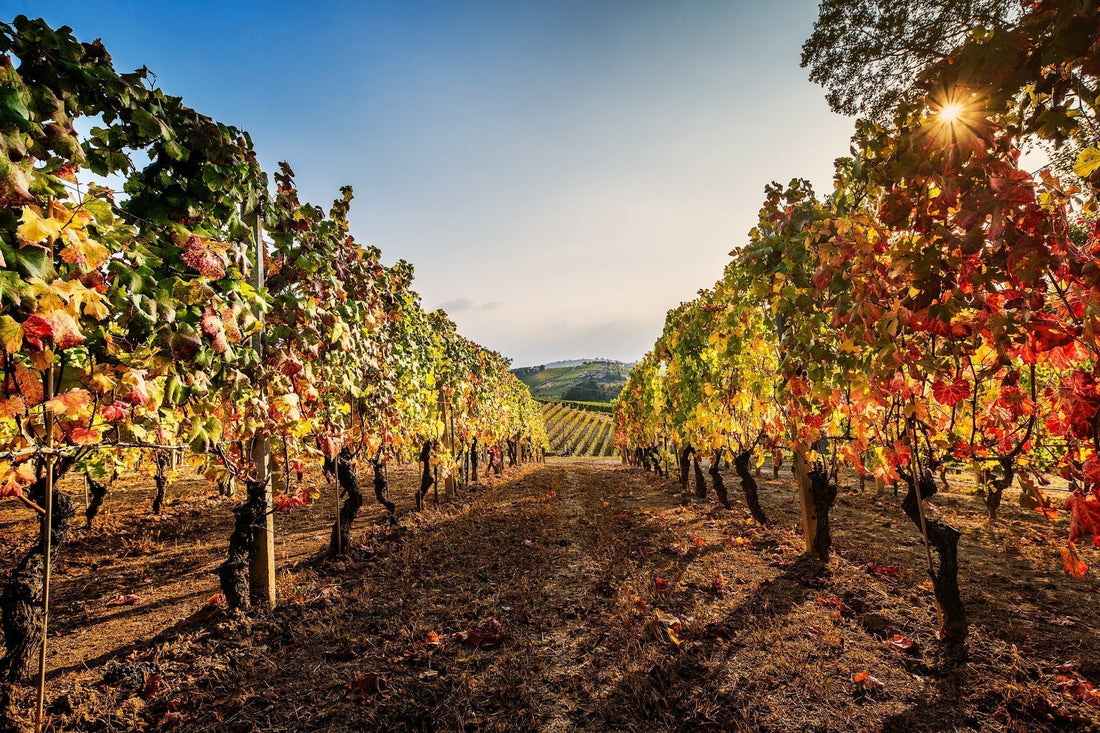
(347, 480)
(21, 599)
(160, 478)
(748, 485)
(945, 580)
(824, 493)
(99, 491)
(700, 479)
(249, 518)
(716, 480)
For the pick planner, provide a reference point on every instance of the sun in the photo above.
(950, 112)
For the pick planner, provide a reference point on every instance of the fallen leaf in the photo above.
(867, 684)
(487, 632)
(670, 625)
(366, 686)
(125, 600)
(903, 643)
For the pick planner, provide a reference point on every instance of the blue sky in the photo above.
(559, 173)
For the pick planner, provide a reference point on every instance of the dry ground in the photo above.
(578, 595)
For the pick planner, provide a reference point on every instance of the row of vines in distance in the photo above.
(578, 432)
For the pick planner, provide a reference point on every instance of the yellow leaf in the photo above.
(33, 227)
(11, 334)
(82, 251)
(1087, 161)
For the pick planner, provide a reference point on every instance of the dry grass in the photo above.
(587, 566)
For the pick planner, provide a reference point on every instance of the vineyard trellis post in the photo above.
(448, 442)
(47, 549)
(262, 568)
(809, 509)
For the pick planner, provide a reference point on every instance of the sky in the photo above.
(560, 173)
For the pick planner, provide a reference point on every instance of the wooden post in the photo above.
(448, 443)
(336, 485)
(262, 569)
(805, 498)
(47, 550)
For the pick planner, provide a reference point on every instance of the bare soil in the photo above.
(576, 595)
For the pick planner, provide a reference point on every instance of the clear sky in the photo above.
(559, 173)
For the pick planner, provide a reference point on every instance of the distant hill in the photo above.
(582, 380)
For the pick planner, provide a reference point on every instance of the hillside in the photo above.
(589, 380)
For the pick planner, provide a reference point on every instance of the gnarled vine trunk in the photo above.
(249, 518)
(945, 579)
(473, 458)
(426, 477)
(98, 491)
(716, 480)
(748, 485)
(685, 467)
(382, 488)
(995, 488)
(21, 599)
(700, 479)
(160, 479)
(347, 483)
(823, 492)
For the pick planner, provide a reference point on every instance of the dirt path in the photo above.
(584, 595)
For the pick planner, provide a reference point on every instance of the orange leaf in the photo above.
(69, 403)
(15, 478)
(12, 406)
(85, 436)
(1073, 564)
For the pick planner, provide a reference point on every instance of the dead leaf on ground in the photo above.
(366, 686)
(487, 632)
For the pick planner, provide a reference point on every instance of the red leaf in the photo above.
(903, 643)
(35, 329)
(125, 600)
(882, 571)
(951, 394)
(486, 633)
(137, 394)
(1084, 517)
(660, 585)
(290, 502)
(115, 411)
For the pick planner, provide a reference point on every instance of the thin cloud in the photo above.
(465, 304)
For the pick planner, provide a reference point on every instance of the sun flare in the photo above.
(950, 112)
